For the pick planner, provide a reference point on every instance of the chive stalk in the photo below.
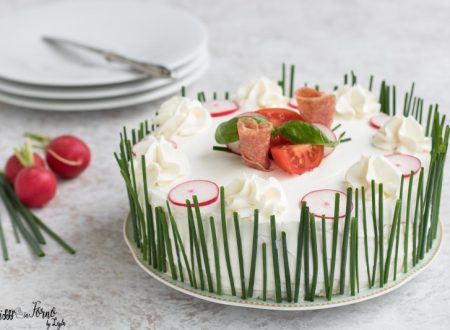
(306, 254)
(225, 240)
(276, 267)
(196, 245)
(326, 275)
(381, 231)
(392, 235)
(254, 253)
(312, 223)
(407, 224)
(375, 230)
(397, 233)
(3, 242)
(345, 239)
(240, 255)
(216, 256)
(298, 262)
(201, 234)
(183, 251)
(366, 245)
(264, 257)
(334, 244)
(287, 274)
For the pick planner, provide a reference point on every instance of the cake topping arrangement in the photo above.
(377, 168)
(377, 121)
(247, 193)
(206, 192)
(407, 164)
(165, 164)
(322, 202)
(261, 93)
(180, 116)
(254, 142)
(403, 134)
(315, 106)
(296, 146)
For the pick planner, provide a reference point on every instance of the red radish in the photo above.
(66, 155)
(329, 134)
(234, 148)
(379, 120)
(35, 186)
(141, 147)
(206, 191)
(14, 166)
(218, 108)
(321, 202)
(405, 163)
(293, 103)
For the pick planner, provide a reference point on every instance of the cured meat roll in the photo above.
(316, 106)
(254, 142)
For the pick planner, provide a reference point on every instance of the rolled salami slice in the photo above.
(316, 106)
(254, 142)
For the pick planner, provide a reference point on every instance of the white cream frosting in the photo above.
(224, 168)
(404, 134)
(355, 101)
(180, 116)
(261, 93)
(246, 193)
(164, 163)
(377, 168)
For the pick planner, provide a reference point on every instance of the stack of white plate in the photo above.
(37, 75)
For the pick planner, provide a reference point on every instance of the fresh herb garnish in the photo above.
(300, 132)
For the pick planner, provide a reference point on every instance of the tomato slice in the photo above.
(278, 116)
(297, 158)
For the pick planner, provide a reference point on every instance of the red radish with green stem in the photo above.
(35, 186)
(22, 158)
(66, 155)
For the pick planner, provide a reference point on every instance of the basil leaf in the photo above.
(227, 131)
(300, 132)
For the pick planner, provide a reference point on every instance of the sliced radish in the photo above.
(142, 146)
(321, 202)
(329, 134)
(405, 163)
(379, 120)
(234, 148)
(293, 103)
(218, 108)
(206, 191)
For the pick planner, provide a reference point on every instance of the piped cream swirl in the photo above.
(180, 116)
(355, 101)
(261, 93)
(377, 168)
(403, 134)
(247, 193)
(164, 163)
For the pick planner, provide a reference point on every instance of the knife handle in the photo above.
(150, 69)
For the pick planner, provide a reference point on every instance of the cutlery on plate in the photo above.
(148, 69)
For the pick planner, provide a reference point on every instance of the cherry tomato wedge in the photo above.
(297, 158)
(278, 116)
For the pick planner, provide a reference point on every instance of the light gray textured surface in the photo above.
(101, 287)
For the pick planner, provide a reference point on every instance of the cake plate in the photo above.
(318, 303)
